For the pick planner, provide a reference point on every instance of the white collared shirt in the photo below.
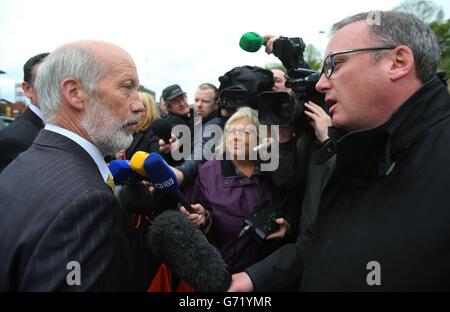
(37, 111)
(86, 145)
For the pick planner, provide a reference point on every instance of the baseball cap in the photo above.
(171, 92)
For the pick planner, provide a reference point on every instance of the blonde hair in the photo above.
(242, 113)
(151, 112)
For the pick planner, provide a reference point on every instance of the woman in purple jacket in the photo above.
(230, 189)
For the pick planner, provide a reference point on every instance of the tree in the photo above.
(426, 10)
(442, 31)
(432, 14)
(312, 57)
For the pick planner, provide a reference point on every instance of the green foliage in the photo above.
(442, 31)
(312, 57)
(426, 10)
(432, 14)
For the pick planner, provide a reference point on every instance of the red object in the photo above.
(162, 282)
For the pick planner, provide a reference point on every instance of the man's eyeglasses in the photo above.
(329, 63)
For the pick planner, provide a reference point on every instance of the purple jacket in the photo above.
(233, 197)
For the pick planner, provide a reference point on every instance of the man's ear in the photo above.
(26, 87)
(403, 63)
(74, 93)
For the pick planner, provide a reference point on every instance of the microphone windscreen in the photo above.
(122, 172)
(160, 174)
(251, 42)
(177, 242)
(137, 162)
(162, 128)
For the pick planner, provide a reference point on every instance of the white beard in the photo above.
(104, 131)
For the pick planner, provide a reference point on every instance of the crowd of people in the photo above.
(359, 180)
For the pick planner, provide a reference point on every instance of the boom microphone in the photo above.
(159, 173)
(251, 42)
(162, 128)
(175, 240)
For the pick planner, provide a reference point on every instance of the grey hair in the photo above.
(242, 113)
(399, 28)
(68, 61)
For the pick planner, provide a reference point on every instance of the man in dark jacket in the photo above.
(178, 107)
(383, 217)
(61, 225)
(18, 137)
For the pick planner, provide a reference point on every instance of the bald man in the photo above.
(61, 225)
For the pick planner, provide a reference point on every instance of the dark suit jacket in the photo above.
(18, 136)
(188, 120)
(146, 141)
(56, 208)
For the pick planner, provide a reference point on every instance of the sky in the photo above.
(183, 42)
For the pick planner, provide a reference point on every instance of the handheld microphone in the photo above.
(162, 128)
(175, 240)
(122, 172)
(159, 174)
(251, 42)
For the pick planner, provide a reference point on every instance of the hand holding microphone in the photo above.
(168, 142)
(270, 39)
(122, 173)
(167, 148)
(157, 171)
(136, 197)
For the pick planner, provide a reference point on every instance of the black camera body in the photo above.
(263, 222)
(240, 86)
(284, 109)
(281, 108)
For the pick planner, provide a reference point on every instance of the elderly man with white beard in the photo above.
(61, 226)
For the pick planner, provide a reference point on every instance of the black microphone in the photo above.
(175, 240)
(162, 128)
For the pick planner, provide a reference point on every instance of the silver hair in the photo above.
(399, 28)
(68, 61)
(242, 113)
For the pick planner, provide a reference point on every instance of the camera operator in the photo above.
(279, 80)
(238, 87)
(306, 149)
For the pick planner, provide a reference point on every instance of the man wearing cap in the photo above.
(178, 107)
